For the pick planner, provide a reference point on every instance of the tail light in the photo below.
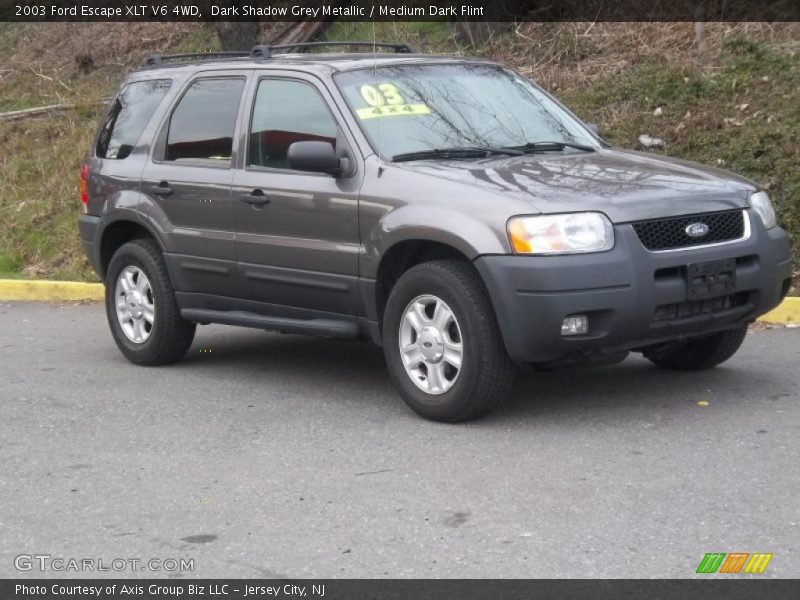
(85, 188)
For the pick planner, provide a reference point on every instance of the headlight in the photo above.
(561, 234)
(761, 204)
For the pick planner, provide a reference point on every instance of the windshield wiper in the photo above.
(463, 152)
(551, 147)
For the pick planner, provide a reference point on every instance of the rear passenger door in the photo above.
(188, 182)
(297, 244)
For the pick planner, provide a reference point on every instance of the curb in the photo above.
(53, 291)
(786, 312)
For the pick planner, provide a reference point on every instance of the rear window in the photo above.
(204, 121)
(132, 109)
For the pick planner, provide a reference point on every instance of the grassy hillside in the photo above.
(40, 157)
(734, 106)
(742, 117)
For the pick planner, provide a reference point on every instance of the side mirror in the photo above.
(594, 127)
(319, 157)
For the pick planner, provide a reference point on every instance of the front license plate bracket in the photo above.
(710, 279)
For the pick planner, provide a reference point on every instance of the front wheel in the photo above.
(141, 308)
(442, 343)
(697, 354)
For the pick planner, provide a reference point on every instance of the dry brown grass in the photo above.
(52, 47)
(40, 64)
(563, 56)
(611, 73)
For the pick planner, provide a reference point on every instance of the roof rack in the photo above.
(160, 59)
(266, 51)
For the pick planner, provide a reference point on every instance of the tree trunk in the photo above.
(700, 36)
(476, 33)
(238, 36)
(700, 44)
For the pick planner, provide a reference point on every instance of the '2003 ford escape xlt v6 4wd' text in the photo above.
(447, 208)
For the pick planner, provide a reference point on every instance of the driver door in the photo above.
(297, 239)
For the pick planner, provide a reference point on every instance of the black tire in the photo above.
(170, 335)
(484, 381)
(697, 354)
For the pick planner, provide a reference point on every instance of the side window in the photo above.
(203, 123)
(132, 109)
(286, 112)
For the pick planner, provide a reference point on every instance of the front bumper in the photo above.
(634, 297)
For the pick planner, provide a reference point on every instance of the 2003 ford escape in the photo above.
(447, 208)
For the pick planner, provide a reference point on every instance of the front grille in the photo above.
(692, 308)
(670, 233)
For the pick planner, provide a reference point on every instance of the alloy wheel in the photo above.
(133, 297)
(431, 345)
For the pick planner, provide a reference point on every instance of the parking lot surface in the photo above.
(269, 455)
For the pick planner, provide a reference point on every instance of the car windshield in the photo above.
(412, 109)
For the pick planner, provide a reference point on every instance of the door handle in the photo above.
(162, 189)
(256, 198)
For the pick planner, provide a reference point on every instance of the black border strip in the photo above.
(733, 588)
(407, 10)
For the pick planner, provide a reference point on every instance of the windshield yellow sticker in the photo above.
(385, 101)
(372, 112)
(383, 93)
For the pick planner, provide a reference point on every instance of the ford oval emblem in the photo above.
(696, 230)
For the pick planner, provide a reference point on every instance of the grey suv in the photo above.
(444, 207)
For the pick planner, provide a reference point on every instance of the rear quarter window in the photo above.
(132, 110)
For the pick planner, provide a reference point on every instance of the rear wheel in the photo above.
(141, 309)
(697, 354)
(442, 344)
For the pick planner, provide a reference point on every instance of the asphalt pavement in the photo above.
(269, 455)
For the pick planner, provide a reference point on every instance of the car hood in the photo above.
(623, 184)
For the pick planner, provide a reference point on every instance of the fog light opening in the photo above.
(575, 325)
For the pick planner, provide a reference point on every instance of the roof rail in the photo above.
(266, 51)
(159, 59)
